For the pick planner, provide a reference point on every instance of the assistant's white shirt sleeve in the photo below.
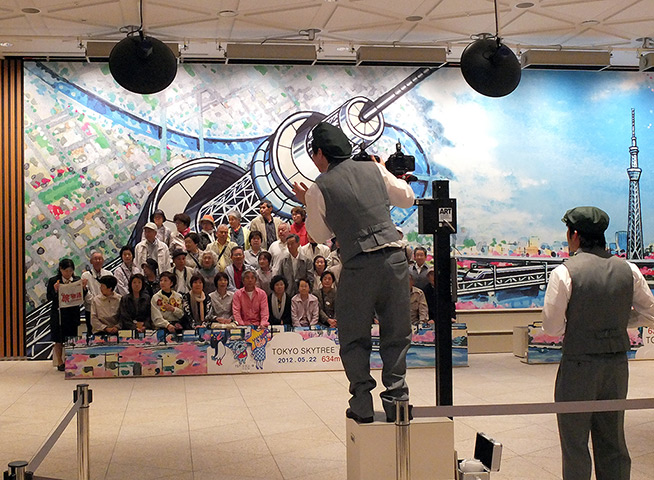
(316, 222)
(556, 301)
(400, 192)
(643, 302)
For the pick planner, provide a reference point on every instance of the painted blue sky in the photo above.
(561, 139)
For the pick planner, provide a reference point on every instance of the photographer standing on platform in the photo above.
(352, 199)
(589, 299)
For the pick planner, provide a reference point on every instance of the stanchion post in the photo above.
(83, 461)
(402, 440)
(17, 470)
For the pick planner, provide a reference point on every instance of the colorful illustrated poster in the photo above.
(99, 159)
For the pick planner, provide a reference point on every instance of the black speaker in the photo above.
(142, 64)
(490, 67)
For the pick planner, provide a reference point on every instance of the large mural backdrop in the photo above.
(99, 159)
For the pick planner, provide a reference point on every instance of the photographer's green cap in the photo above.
(332, 141)
(589, 220)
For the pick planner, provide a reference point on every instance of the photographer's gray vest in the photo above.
(357, 207)
(598, 310)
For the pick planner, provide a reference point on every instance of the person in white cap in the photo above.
(152, 248)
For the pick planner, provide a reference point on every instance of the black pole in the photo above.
(443, 277)
(438, 217)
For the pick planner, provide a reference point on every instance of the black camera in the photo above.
(398, 164)
(364, 156)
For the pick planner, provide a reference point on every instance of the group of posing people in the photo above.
(218, 278)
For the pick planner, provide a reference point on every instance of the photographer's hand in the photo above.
(300, 190)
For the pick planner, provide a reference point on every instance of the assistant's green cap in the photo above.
(589, 220)
(332, 141)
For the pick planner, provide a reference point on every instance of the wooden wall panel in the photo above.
(12, 253)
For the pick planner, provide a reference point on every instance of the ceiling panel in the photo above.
(461, 8)
(343, 22)
(583, 9)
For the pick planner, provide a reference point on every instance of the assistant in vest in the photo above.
(589, 299)
(351, 200)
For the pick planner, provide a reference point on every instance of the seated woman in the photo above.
(264, 272)
(64, 321)
(208, 270)
(327, 299)
(134, 308)
(221, 315)
(279, 304)
(196, 303)
(104, 307)
(167, 305)
(319, 266)
(151, 275)
(250, 305)
(304, 306)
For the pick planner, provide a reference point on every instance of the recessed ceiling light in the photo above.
(343, 49)
(6, 44)
(227, 13)
(413, 18)
(30, 10)
(524, 5)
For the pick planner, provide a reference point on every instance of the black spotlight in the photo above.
(142, 64)
(490, 67)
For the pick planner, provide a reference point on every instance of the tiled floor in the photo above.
(276, 426)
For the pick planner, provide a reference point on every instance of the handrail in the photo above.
(82, 396)
(403, 417)
(534, 408)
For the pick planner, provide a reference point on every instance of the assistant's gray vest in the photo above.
(357, 207)
(598, 310)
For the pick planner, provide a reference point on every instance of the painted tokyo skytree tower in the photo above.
(634, 223)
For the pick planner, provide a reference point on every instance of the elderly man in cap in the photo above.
(351, 200)
(152, 247)
(589, 299)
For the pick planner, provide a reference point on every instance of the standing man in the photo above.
(352, 200)
(152, 248)
(236, 269)
(419, 269)
(589, 299)
(222, 247)
(294, 266)
(278, 247)
(312, 249)
(266, 224)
